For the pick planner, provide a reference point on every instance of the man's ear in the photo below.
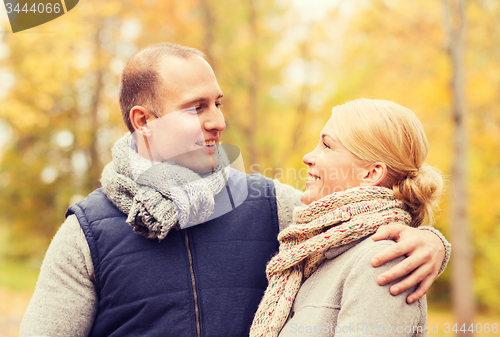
(140, 116)
(374, 174)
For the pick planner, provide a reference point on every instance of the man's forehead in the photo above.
(176, 65)
(187, 81)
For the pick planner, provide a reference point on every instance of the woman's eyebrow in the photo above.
(323, 135)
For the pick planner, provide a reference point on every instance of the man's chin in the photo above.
(203, 168)
(198, 161)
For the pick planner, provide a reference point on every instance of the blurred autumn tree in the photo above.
(461, 265)
(397, 50)
(58, 111)
(62, 110)
(281, 69)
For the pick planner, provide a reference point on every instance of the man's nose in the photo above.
(214, 120)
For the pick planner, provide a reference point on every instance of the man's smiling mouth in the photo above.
(206, 143)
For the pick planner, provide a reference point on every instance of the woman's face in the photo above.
(332, 168)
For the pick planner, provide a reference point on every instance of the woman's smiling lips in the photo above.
(312, 178)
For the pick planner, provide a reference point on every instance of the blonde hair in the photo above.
(383, 131)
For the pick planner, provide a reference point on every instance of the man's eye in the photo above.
(218, 105)
(199, 109)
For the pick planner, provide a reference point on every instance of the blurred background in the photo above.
(282, 65)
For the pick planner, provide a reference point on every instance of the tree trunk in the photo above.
(252, 126)
(302, 107)
(208, 40)
(95, 167)
(462, 271)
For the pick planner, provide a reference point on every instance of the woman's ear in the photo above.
(374, 174)
(139, 117)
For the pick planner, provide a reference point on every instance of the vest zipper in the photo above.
(193, 284)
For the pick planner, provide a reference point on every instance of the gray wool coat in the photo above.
(342, 298)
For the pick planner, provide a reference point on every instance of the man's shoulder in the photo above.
(257, 177)
(95, 206)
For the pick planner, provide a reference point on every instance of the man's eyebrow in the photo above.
(202, 99)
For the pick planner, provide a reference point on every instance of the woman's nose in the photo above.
(309, 159)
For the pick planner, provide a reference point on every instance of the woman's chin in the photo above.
(308, 197)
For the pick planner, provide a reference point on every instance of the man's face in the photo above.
(191, 125)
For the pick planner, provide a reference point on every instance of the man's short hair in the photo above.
(141, 84)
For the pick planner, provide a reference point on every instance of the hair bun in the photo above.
(412, 173)
(420, 190)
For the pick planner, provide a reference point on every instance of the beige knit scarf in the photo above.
(333, 221)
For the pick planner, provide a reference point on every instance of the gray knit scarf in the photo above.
(158, 195)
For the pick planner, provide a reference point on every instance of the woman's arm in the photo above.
(65, 301)
(428, 254)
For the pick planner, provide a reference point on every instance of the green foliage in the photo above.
(16, 276)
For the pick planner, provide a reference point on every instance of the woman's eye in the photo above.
(326, 145)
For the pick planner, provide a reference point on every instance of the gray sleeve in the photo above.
(370, 310)
(65, 300)
(287, 199)
(446, 244)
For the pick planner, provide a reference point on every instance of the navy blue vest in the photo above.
(205, 280)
